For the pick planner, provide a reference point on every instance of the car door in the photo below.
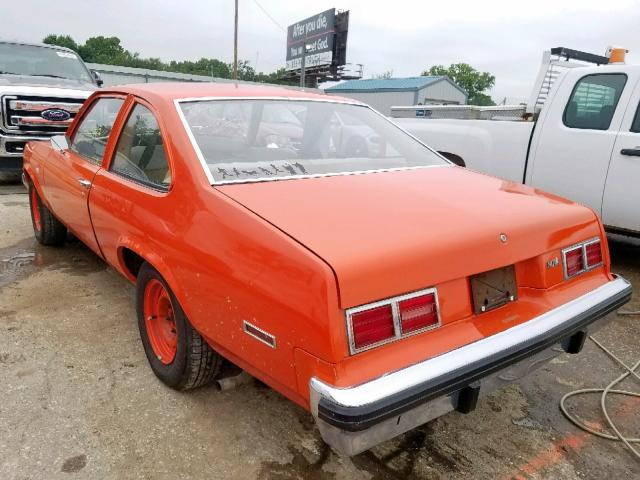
(70, 172)
(128, 200)
(622, 193)
(575, 138)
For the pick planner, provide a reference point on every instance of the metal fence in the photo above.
(117, 75)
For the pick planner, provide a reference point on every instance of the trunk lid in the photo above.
(389, 233)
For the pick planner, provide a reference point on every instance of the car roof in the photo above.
(169, 91)
(42, 45)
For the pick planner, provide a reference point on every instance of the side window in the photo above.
(593, 101)
(635, 126)
(91, 136)
(139, 153)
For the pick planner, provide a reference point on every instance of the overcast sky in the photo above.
(505, 38)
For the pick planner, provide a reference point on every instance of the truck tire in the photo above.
(452, 157)
(47, 229)
(177, 353)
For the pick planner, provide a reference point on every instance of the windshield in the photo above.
(258, 140)
(37, 61)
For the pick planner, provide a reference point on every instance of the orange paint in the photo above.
(290, 256)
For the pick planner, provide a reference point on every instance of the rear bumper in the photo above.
(356, 418)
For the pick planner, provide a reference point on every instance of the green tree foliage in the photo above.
(474, 82)
(61, 41)
(109, 51)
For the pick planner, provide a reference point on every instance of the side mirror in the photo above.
(97, 78)
(60, 143)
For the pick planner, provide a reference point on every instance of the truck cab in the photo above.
(583, 143)
(42, 87)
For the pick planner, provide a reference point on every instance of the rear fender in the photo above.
(139, 247)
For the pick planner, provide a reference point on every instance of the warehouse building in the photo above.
(383, 93)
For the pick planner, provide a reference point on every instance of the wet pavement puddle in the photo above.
(27, 257)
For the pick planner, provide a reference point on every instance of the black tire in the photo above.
(195, 363)
(47, 229)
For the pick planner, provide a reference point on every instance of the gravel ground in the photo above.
(78, 400)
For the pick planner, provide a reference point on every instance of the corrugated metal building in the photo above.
(384, 93)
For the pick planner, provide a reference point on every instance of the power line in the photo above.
(270, 17)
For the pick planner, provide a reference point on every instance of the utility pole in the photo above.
(302, 70)
(235, 45)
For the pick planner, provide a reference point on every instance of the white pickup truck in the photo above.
(583, 144)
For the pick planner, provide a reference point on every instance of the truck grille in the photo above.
(38, 115)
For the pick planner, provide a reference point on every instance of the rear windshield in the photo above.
(257, 140)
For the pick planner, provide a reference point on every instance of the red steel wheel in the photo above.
(35, 210)
(160, 321)
(177, 353)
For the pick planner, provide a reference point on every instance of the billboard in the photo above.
(317, 33)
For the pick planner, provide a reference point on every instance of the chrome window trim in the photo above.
(213, 182)
(397, 324)
(583, 247)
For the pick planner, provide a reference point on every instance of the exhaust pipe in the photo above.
(227, 383)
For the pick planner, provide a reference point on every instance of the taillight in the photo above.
(418, 313)
(373, 326)
(593, 252)
(380, 322)
(582, 257)
(574, 261)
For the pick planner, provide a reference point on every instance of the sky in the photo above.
(505, 38)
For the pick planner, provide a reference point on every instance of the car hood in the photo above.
(31, 81)
(388, 233)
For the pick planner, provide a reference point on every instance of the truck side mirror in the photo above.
(60, 143)
(97, 78)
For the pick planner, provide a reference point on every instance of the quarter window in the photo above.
(92, 134)
(593, 101)
(140, 154)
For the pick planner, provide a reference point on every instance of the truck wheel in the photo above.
(47, 229)
(178, 355)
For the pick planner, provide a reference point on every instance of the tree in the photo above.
(474, 82)
(104, 50)
(109, 51)
(384, 75)
(61, 41)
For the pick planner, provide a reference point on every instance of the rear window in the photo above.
(593, 101)
(258, 140)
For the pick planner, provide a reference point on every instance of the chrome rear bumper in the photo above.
(357, 418)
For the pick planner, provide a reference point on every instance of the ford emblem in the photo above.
(55, 115)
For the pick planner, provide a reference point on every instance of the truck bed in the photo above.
(498, 148)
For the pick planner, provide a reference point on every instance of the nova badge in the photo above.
(55, 115)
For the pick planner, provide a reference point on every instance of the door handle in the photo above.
(85, 183)
(631, 152)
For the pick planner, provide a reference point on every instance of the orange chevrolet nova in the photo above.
(311, 241)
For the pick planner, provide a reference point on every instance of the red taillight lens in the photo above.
(594, 254)
(418, 313)
(574, 261)
(372, 326)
